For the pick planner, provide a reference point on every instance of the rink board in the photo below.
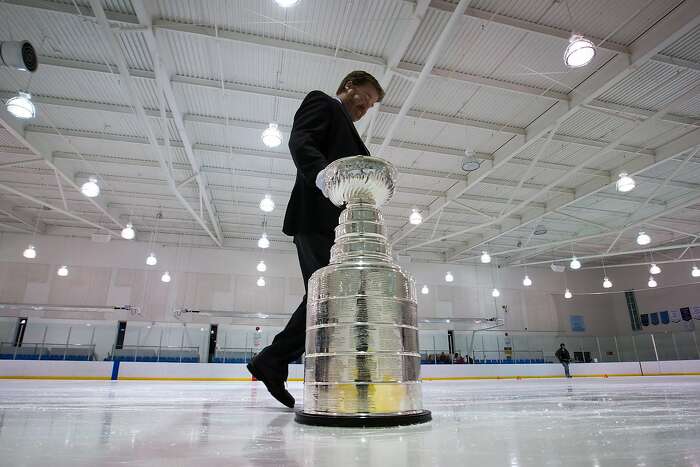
(28, 369)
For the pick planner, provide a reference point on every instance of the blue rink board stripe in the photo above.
(115, 370)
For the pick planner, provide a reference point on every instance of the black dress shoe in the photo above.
(274, 385)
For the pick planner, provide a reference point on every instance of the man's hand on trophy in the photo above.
(321, 182)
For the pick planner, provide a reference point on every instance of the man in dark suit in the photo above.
(323, 131)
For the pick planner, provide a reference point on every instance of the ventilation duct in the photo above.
(19, 55)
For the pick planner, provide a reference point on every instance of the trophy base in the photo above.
(362, 421)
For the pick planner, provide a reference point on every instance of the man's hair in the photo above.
(360, 77)
(561, 345)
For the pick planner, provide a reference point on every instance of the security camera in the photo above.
(19, 55)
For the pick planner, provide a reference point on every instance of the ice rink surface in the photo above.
(630, 421)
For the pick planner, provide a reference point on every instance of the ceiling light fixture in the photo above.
(652, 282)
(495, 293)
(654, 269)
(286, 3)
(575, 263)
(271, 136)
(62, 271)
(643, 239)
(90, 188)
(128, 232)
(470, 163)
(30, 252)
(263, 242)
(449, 277)
(266, 204)
(261, 281)
(415, 218)
(425, 290)
(165, 277)
(568, 294)
(21, 106)
(527, 282)
(151, 260)
(485, 257)
(607, 283)
(261, 267)
(625, 183)
(579, 52)
(541, 229)
(695, 272)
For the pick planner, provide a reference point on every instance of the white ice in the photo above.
(631, 421)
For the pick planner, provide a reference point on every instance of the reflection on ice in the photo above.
(584, 422)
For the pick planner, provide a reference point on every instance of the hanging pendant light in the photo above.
(415, 218)
(654, 269)
(579, 52)
(266, 204)
(449, 277)
(643, 239)
(165, 277)
(271, 136)
(21, 106)
(128, 232)
(607, 283)
(151, 260)
(470, 163)
(425, 290)
(261, 267)
(652, 282)
(90, 188)
(568, 294)
(263, 242)
(695, 272)
(527, 282)
(575, 263)
(261, 281)
(62, 271)
(625, 183)
(30, 252)
(485, 257)
(286, 3)
(495, 293)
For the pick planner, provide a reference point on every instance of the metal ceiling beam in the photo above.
(131, 91)
(18, 163)
(19, 134)
(664, 153)
(71, 103)
(31, 198)
(407, 35)
(666, 31)
(553, 32)
(16, 227)
(558, 243)
(426, 69)
(7, 211)
(386, 110)
(356, 57)
(606, 255)
(164, 70)
(412, 171)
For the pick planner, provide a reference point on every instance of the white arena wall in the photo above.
(114, 274)
(237, 372)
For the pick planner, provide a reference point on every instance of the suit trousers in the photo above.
(313, 250)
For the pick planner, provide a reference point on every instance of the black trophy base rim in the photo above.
(362, 421)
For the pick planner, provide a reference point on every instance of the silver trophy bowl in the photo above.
(361, 364)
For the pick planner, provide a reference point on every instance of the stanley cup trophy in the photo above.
(362, 365)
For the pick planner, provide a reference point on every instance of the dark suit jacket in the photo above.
(322, 132)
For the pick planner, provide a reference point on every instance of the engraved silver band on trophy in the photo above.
(362, 365)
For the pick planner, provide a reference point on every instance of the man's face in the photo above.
(359, 99)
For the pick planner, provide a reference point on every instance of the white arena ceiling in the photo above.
(164, 103)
